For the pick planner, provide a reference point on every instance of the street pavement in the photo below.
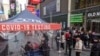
(54, 52)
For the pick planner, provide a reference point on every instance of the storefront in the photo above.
(93, 21)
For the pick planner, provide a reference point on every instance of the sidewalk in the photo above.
(56, 53)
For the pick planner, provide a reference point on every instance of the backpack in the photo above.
(67, 35)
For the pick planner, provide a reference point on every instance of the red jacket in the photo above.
(67, 35)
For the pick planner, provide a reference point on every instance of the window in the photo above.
(82, 3)
(96, 2)
(88, 3)
(57, 5)
(77, 4)
(44, 10)
(99, 2)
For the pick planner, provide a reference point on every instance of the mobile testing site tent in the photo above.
(26, 21)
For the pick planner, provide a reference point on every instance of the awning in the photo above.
(26, 21)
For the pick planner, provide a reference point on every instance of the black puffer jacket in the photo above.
(99, 48)
(95, 49)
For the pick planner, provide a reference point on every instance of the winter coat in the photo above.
(27, 47)
(95, 49)
(67, 35)
(63, 39)
(44, 48)
(99, 49)
(78, 46)
(84, 37)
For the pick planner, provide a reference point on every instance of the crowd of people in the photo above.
(81, 40)
(76, 39)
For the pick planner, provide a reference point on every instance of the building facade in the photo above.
(4, 7)
(54, 11)
(91, 13)
(16, 6)
(8, 8)
(85, 13)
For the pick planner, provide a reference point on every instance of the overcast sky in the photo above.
(0, 1)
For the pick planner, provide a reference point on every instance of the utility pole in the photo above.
(51, 22)
(51, 17)
(85, 21)
(85, 17)
(68, 24)
(69, 13)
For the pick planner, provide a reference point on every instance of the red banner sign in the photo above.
(27, 27)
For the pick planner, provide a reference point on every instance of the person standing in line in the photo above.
(57, 39)
(67, 36)
(99, 47)
(90, 38)
(84, 37)
(78, 46)
(44, 46)
(75, 34)
(62, 40)
(95, 48)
